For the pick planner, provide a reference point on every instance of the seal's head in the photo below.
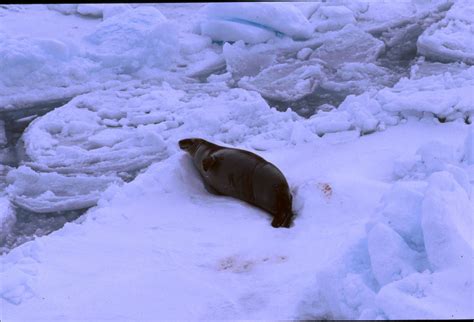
(190, 145)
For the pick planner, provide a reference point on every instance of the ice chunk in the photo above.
(223, 30)
(33, 61)
(88, 139)
(281, 17)
(447, 222)
(66, 9)
(357, 78)
(287, 81)
(451, 39)
(390, 257)
(191, 43)
(212, 63)
(330, 18)
(134, 38)
(304, 53)
(348, 45)
(328, 122)
(443, 94)
(242, 61)
(52, 192)
(362, 114)
(381, 17)
(93, 10)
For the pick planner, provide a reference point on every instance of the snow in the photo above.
(133, 38)
(366, 107)
(285, 82)
(254, 21)
(451, 38)
(447, 223)
(222, 30)
(469, 146)
(348, 45)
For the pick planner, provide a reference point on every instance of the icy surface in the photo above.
(133, 38)
(251, 20)
(349, 45)
(328, 18)
(366, 107)
(451, 39)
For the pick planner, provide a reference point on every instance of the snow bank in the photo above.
(253, 22)
(131, 39)
(418, 249)
(421, 247)
(447, 222)
(450, 39)
(443, 276)
(18, 273)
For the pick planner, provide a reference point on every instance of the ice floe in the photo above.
(133, 38)
(450, 39)
(254, 22)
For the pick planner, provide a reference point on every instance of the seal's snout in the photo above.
(185, 144)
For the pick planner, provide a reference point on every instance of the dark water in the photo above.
(29, 225)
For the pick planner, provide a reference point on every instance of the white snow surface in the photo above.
(382, 183)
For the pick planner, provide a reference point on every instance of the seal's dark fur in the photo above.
(244, 175)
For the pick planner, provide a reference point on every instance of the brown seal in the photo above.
(244, 175)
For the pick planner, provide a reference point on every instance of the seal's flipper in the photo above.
(282, 220)
(276, 222)
(208, 162)
(210, 189)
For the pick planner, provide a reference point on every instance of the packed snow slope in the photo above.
(373, 132)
